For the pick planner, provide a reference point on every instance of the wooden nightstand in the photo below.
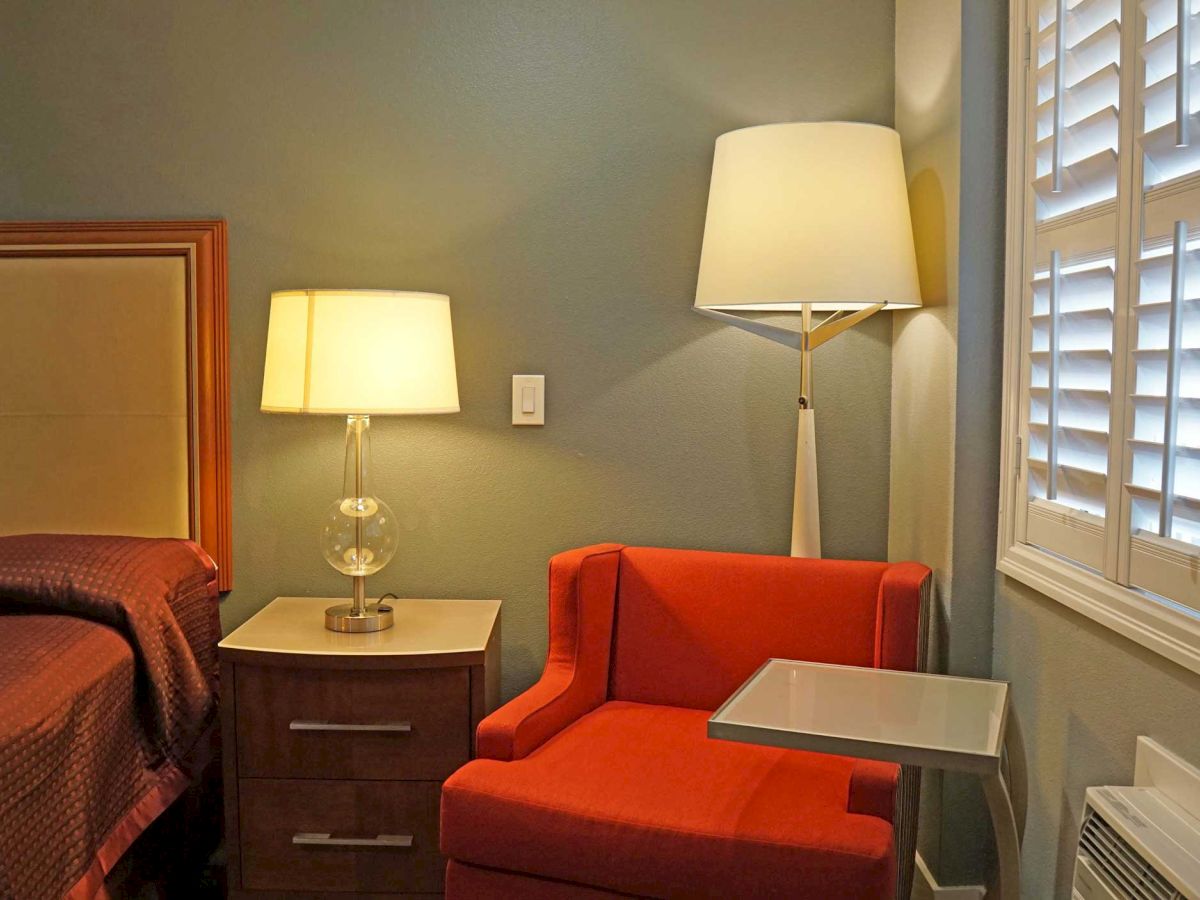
(336, 745)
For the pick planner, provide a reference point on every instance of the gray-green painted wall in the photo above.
(1082, 694)
(544, 163)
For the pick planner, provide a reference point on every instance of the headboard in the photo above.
(114, 381)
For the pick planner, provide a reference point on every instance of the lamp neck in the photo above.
(806, 400)
(355, 481)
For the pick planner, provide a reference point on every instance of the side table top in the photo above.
(906, 717)
(296, 626)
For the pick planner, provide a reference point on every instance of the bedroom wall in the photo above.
(925, 340)
(544, 163)
(1082, 694)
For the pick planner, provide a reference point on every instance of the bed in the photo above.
(108, 685)
(115, 540)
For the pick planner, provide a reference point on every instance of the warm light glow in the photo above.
(808, 213)
(360, 352)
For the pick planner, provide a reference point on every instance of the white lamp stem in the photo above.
(806, 509)
(356, 425)
(806, 513)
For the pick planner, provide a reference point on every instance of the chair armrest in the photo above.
(873, 789)
(901, 617)
(583, 592)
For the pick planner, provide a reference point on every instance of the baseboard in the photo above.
(925, 887)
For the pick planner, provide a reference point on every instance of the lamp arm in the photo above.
(785, 336)
(837, 323)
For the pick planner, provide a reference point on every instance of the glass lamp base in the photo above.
(374, 617)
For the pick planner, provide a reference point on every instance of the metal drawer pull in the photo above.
(309, 725)
(310, 838)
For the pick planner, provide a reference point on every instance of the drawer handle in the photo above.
(309, 725)
(316, 839)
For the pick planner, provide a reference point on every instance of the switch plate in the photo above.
(529, 400)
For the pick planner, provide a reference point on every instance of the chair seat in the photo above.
(636, 798)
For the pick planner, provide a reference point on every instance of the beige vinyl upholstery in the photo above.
(94, 395)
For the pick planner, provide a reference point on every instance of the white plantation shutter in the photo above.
(1109, 379)
(1071, 268)
(1162, 490)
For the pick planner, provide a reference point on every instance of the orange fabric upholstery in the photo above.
(583, 586)
(693, 625)
(633, 797)
(600, 780)
(897, 622)
(465, 880)
(873, 789)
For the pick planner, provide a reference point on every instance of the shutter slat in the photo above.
(1158, 101)
(1082, 139)
(1086, 57)
(1083, 18)
(1165, 161)
(1081, 100)
(1159, 53)
(1086, 183)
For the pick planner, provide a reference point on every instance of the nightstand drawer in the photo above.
(335, 836)
(344, 723)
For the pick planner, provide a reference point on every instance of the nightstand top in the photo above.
(296, 626)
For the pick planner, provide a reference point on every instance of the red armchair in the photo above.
(599, 781)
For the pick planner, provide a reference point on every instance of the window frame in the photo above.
(1159, 625)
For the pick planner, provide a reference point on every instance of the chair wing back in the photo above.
(692, 625)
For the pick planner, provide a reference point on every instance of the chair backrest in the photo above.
(692, 625)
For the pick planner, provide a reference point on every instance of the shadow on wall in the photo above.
(1082, 742)
(927, 201)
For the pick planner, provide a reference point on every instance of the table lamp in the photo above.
(359, 354)
(807, 217)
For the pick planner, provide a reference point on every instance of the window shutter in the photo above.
(1162, 487)
(1072, 269)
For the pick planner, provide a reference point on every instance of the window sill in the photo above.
(1159, 626)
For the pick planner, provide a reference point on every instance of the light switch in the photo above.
(529, 400)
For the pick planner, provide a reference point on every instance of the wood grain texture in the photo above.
(203, 246)
(281, 782)
(272, 811)
(434, 701)
(229, 773)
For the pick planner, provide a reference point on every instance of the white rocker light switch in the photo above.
(529, 400)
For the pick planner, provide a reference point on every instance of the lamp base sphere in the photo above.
(375, 617)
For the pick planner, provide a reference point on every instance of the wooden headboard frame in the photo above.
(202, 245)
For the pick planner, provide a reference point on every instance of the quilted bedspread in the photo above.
(108, 671)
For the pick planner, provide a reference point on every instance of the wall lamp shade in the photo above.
(808, 214)
(357, 352)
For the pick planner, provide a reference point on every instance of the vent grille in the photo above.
(1123, 867)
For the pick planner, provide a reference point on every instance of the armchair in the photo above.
(599, 781)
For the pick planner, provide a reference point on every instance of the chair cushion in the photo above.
(692, 625)
(636, 798)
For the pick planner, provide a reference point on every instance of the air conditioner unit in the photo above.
(1142, 842)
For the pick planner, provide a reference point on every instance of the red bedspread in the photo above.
(107, 684)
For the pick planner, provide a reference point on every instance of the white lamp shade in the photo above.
(360, 352)
(808, 213)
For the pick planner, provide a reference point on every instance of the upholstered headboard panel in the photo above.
(113, 387)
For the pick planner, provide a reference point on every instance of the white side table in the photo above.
(956, 724)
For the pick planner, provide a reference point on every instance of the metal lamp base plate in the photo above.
(377, 617)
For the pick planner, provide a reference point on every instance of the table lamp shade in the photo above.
(808, 213)
(360, 353)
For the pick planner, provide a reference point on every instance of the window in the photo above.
(1101, 489)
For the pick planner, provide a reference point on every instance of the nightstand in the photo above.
(336, 745)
